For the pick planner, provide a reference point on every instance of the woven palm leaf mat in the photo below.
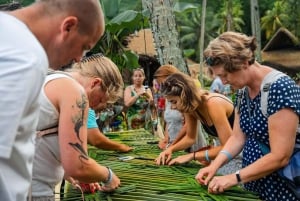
(142, 180)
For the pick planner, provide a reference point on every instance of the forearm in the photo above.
(182, 144)
(260, 168)
(131, 100)
(180, 135)
(90, 171)
(233, 147)
(108, 144)
(208, 154)
(97, 139)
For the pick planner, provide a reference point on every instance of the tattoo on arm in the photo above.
(79, 148)
(78, 119)
(78, 123)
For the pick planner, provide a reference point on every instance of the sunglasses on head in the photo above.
(211, 61)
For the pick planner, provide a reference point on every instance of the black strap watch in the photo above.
(238, 177)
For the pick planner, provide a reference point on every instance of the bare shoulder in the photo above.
(217, 102)
(213, 98)
(62, 85)
(63, 89)
(128, 88)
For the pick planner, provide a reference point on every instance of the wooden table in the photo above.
(142, 180)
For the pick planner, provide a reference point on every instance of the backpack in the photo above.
(291, 172)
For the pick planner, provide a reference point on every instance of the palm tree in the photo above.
(274, 19)
(230, 16)
(255, 26)
(189, 21)
(165, 34)
(293, 7)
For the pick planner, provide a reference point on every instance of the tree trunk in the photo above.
(255, 26)
(165, 35)
(229, 16)
(201, 41)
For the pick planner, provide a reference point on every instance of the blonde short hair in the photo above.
(102, 67)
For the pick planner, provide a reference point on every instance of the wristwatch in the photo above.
(238, 177)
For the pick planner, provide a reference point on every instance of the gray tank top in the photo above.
(174, 119)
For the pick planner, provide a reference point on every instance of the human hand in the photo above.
(142, 92)
(164, 157)
(205, 174)
(89, 187)
(125, 148)
(181, 159)
(162, 144)
(111, 185)
(219, 184)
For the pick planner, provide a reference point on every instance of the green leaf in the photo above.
(129, 19)
(131, 59)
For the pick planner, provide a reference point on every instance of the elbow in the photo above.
(281, 160)
(78, 172)
(75, 172)
(190, 141)
(95, 142)
(127, 104)
(284, 162)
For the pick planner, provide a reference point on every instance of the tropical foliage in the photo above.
(274, 18)
(123, 17)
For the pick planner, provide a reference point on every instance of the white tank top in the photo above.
(47, 168)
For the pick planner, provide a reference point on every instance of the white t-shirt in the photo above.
(23, 67)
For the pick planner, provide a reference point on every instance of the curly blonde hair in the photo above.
(231, 49)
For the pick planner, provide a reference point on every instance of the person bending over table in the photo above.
(215, 112)
(45, 33)
(174, 120)
(61, 142)
(98, 139)
(232, 57)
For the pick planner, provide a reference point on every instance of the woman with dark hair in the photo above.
(215, 112)
(174, 120)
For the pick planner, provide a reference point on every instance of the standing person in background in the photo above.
(216, 86)
(214, 110)
(46, 33)
(195, 76)
(61, 143)
(138, 99)
(232, 57)
(174, 120)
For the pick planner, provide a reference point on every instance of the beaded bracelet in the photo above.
(229, 156)
(207, 156)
